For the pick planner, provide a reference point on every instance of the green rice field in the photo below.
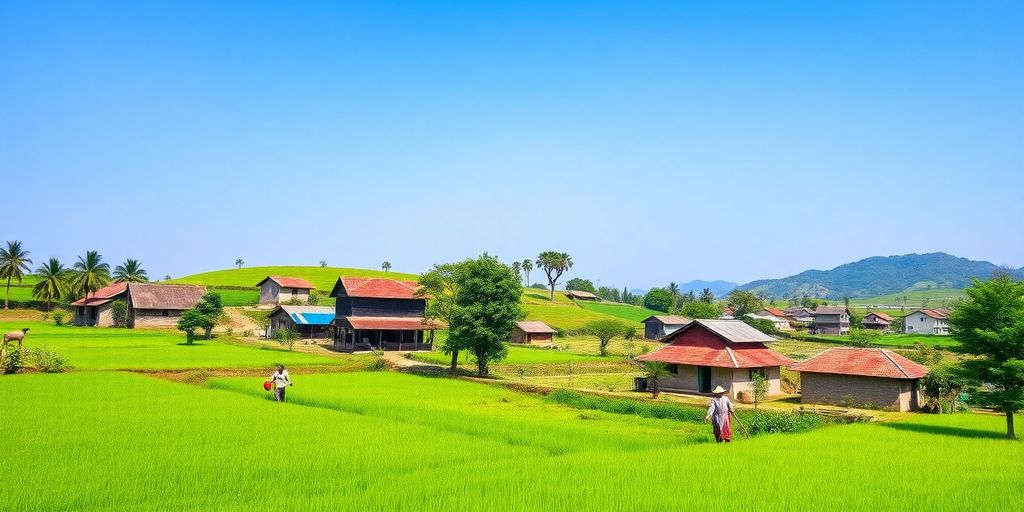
(624, 311)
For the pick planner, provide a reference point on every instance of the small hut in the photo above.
(581, 295)
(877, 321)
(531, 332)
(280, 289)
(658, 326)
(861, 377)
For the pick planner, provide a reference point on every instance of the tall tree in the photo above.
(487, 309)
(440, 285)
(239, 262)
(130, 272)
(323, 263)
(744, 303)
(580, 285)
(527, 267)
(211, 308)
(386, 266)
(90, 273)
(673, 289)
(706, 295)
(52, 282)
(658, 299)
(14, 262)
(554, 264)
(517, 267)
(989, 324)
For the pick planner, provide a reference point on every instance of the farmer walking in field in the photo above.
(720, 414)
(279, 380)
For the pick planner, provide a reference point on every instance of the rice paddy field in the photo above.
(388, 441)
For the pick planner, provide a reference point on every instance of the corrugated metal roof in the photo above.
(289, 282)
(668, 319)
(308, 315)
(736, 331)
(376, 288)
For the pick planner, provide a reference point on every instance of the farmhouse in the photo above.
(864, 377)
(798, 314)
(656, 326)
(386, 314)
(149, 304)
(877, 321)
(775, 316)
(708, 353)
(927, 321)
(307, 321)
(834, 320)
(531, 332)
(279, 289)
(581, 295)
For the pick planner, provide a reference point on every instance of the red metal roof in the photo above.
(868, 362)
(103, 295)
(668, 319)
(289, 282)
(699, 346)
(377, 288)
(388, 323)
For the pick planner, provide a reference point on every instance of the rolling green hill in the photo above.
(935, 297)
(321, 277)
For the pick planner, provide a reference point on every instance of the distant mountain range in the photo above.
(719, 288)
(880, 275)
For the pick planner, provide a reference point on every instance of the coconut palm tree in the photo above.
(527, 267)
(386, 266)
(654, 371)
(554, 264)
(673, 288)
(516, 267)
(130, 272)
(14, 263)
(91, 273)
(53, 282)
(239, 262)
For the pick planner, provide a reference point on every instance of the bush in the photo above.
(58, 317)
(761, 324)
(119, 313)
(764, 422)
(316, 297)
(658, 299)
(46, 361)
(11, 362)
(379, 363)
(286, 337)
(559, 332)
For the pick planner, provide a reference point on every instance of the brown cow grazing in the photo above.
(18, 336)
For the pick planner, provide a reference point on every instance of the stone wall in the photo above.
(858, 391)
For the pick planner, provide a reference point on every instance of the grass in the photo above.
(623, 311)
(324, 278)
(384, 441)
(936, 297)
(516, 355)
(900, 340)
(103, 348)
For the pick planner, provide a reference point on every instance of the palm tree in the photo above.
(554, 264)
(53, 282)
(323, 263)
(130, 272)
(239, 262)
(655, 371)
(527, 267)
(386, 266)
(14, 263)
(516, 267)
(673, 288)
(91, 273)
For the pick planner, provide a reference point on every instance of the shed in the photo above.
(307, 321)
(531, 332)
(581, 295)
(280, 289)
(658, 326)
(861, 377)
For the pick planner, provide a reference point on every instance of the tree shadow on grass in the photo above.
(946, 430)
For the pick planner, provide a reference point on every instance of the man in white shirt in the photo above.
(280, 380)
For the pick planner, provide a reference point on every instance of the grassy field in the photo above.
(625, 311)
(902, 340)
(383, 441)
(516, 355)
(323, 278)
(936, 297)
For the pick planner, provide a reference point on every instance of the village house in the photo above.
(657, 326)
(798, 314)
(280, 289)
(581, 295)
(877, 321)
(775, 316)
(704, 354)
(306, 321)
(385, 314)
(531, 332)
(861, 377)
(149, 304)
(831, 320)
(927, 321)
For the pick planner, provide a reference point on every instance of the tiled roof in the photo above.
(289, 282)
(164, 296)
(775, 311)
(868, 362)
(881, 316)
(937, 313)
(668, 319)
(103, 295)
(829, 310)
(308, 315)
(375, 288)
(535, 327)
(387, 323)
(699, 344)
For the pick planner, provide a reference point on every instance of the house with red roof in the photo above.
(877, 321)
(385, 314)
(281, 289)
(927, 321)
(775, 316)
(704, 354)
(149, 304)
(531, 332)
(861, 377)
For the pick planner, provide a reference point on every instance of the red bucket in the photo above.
(267, 385)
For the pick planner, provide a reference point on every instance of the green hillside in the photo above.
(936, 297)
(321, 277)
(624, 311)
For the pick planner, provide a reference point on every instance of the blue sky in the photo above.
(653, 141)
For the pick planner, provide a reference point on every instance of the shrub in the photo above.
(293, 302)
(864, 337)
(11, 362)
(761, 324)
(316, 297)
(286, 337)
(58, 317)
(379, 363)
(119, 313)
(764, 422)
(46, 361)
(559, 332)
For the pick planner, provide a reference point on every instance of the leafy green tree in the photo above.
(386, 266)
(130, 272)
(945, 383)
(654, 371)
(706, 296)
(761, 324)
(239, 262)
(119, 313)
(14, 262)
(699, 309)
(323, 263)
(605, 330)
(989, 325)
(759, 384)
(441, 285)
(286, 337)
(189, 321)
(554, 264)
(658, 299)
(212, 308)
(52, 282)
(582, 285)
(487, 309)
(864, 337)
(527, 266)
(90, 273)
(744, 303)
(610, 294)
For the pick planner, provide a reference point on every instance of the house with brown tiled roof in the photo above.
(379, 313)
(775, 316)
(877, 321)
(281, 289)
(707, 353)
(861, 377)
(658, 326)
(149, 304)
(927, 321)
(531, 332)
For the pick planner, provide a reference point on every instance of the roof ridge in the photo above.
(732, 356)
(893, 361)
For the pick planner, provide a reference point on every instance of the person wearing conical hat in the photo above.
(720, 414)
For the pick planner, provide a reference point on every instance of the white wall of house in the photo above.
(920, 323)
(273, 293)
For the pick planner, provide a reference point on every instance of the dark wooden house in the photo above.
(877, 321)
(531, 332)
(832, 320)
(658, 326)
(380, 313)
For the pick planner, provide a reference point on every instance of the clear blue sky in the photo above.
(652, 141)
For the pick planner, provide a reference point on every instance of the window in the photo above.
(757, 371)
(165, 313)
(673, 369)
(295, 291)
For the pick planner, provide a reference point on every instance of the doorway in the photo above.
(704, 379)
